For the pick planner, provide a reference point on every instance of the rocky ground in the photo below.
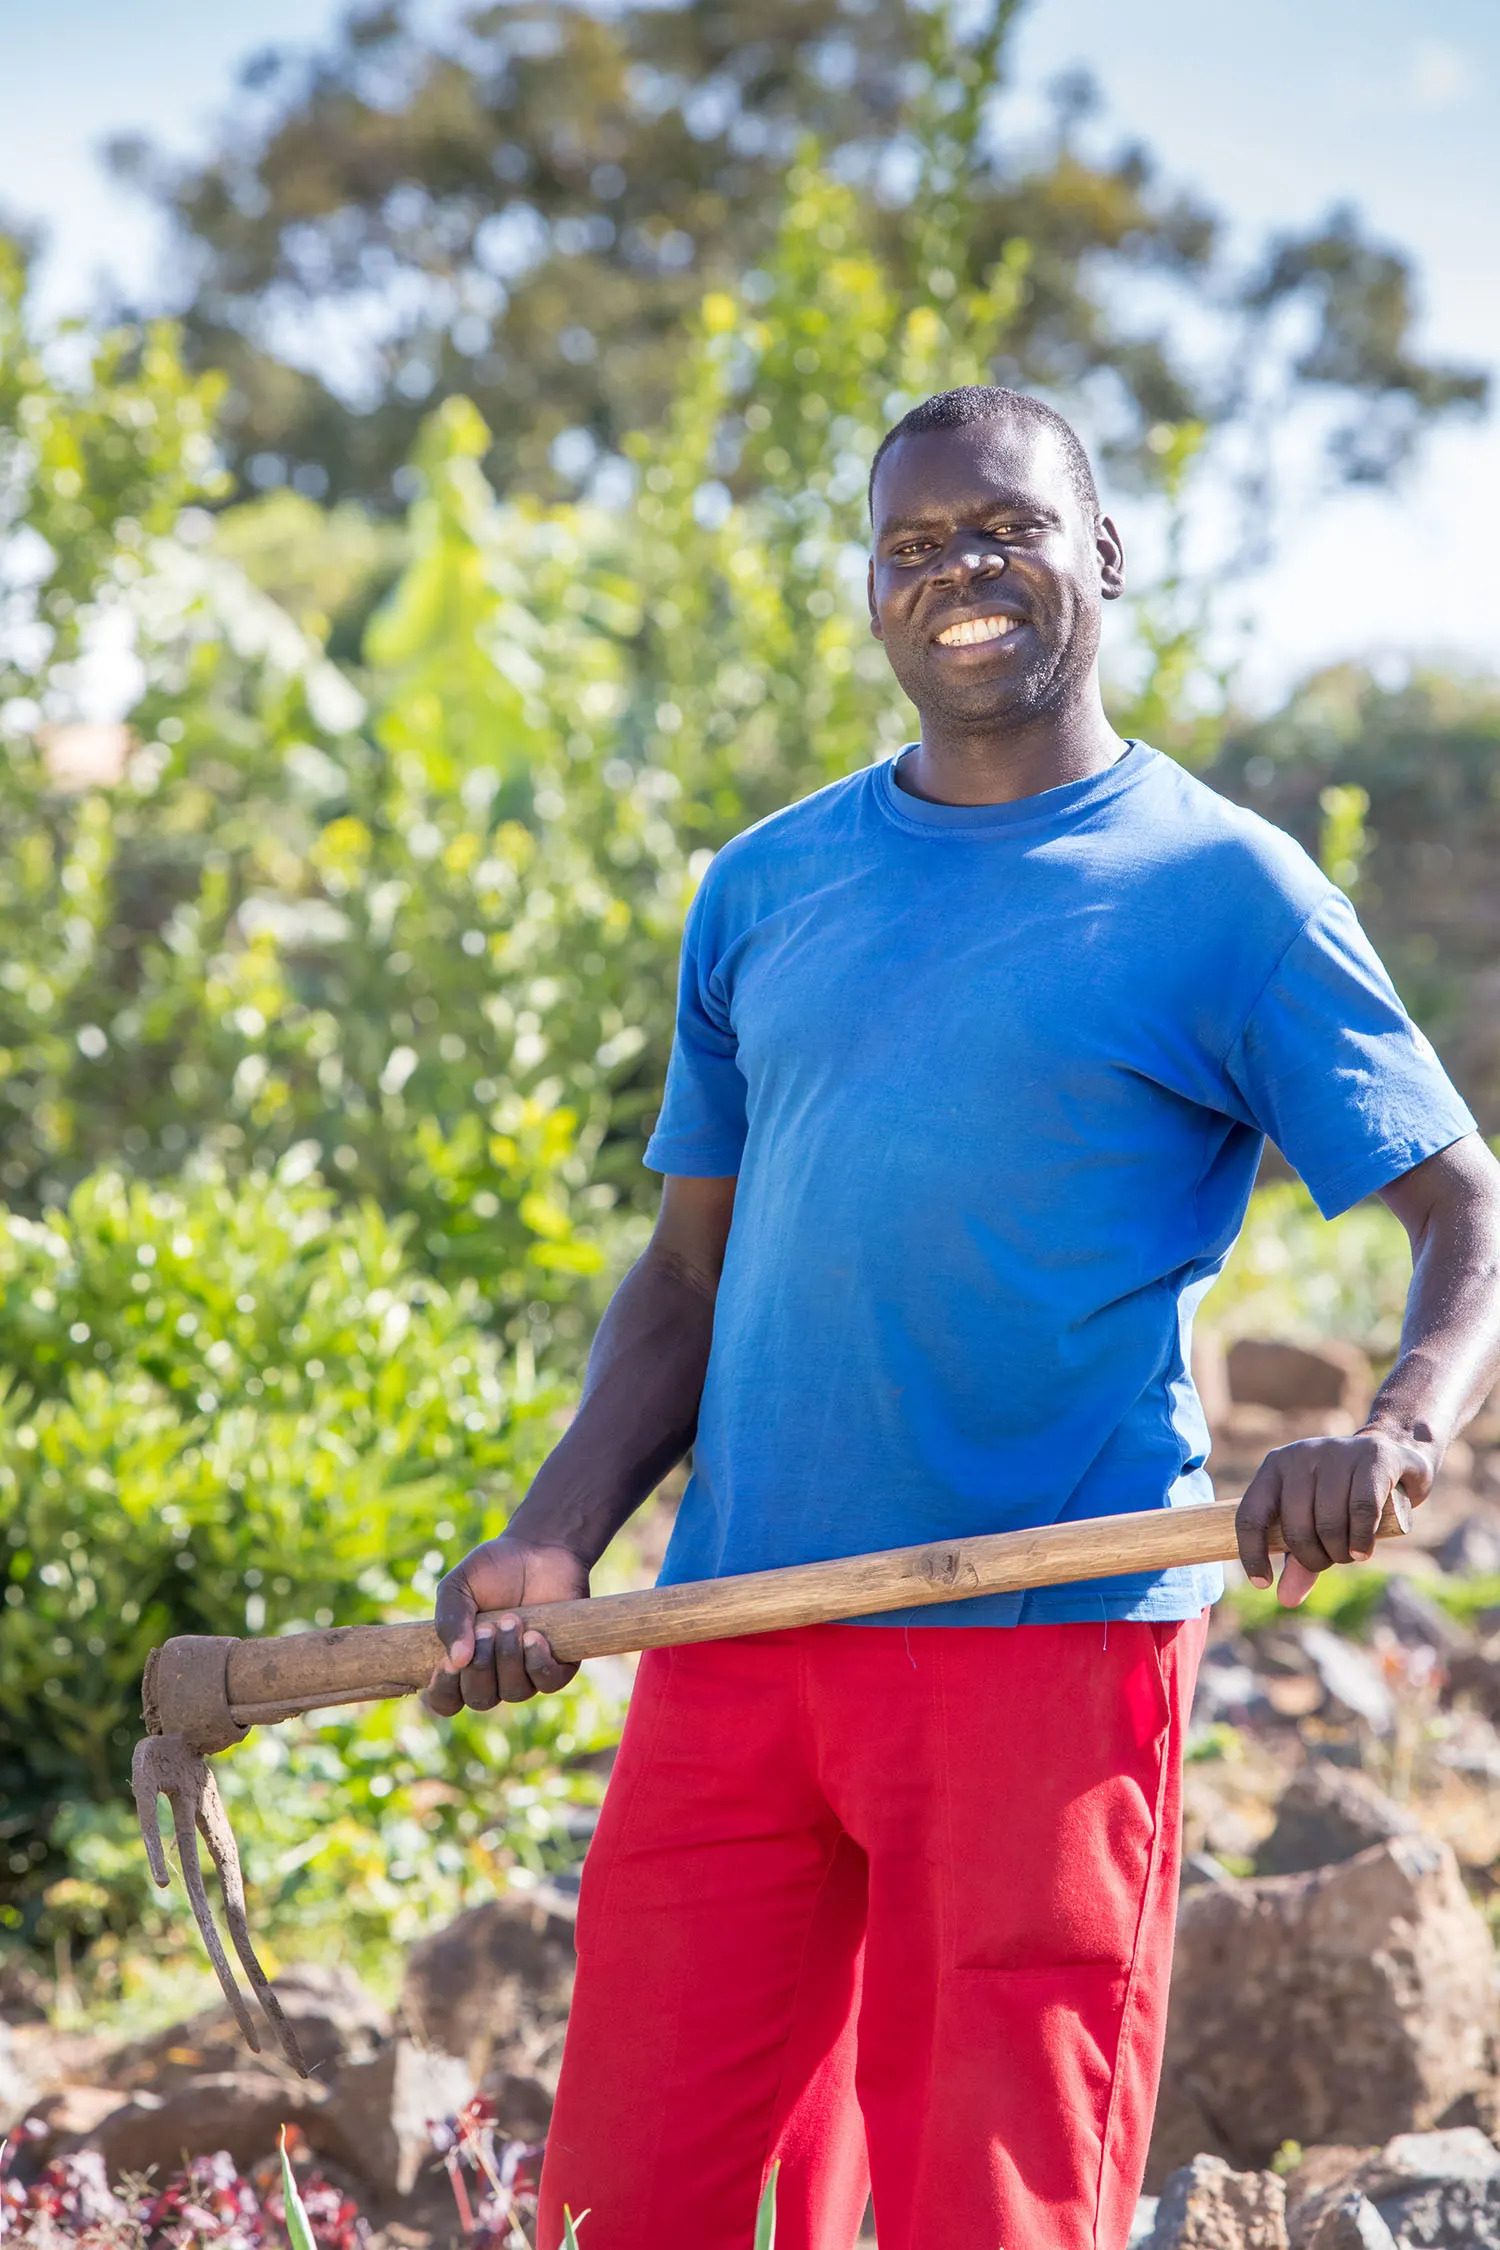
(1332, 2074)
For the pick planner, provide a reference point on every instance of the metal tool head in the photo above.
(168, 1765)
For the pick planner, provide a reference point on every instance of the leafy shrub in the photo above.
(230, 1407)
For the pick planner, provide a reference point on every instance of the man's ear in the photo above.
(1111, 555)
(870, 594)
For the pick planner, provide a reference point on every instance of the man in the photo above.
(975, 1055)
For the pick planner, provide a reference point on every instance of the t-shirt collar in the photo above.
(1049, 808)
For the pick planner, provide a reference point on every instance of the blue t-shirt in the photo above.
(995, 1081)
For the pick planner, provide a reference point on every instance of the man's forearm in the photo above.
(638, 1414)
(1450, 1336)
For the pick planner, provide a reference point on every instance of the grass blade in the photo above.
(765, 2217)
(570, 2239)
(298, 2227)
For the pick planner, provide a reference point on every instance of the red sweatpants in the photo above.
(856, 1888)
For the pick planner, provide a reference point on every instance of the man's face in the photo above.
(988, 572)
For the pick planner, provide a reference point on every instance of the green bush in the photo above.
(230, 1407)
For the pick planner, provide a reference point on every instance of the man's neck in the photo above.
(956, 766)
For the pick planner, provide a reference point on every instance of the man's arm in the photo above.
(637, 1418)
(1329, 1493)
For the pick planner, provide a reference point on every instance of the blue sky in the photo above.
(1275, 113)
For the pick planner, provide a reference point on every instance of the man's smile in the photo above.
(974, 632)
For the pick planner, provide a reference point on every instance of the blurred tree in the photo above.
(328, 568)
(526, 208)
(1407, 771)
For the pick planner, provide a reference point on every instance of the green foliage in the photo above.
(1425, 753)
(326, 567)
(1344, 839)
(1216, 1743)
(765, 2217)
(227, 1409)
(1294, 1274)
(298, 2225)
(95, 462)
(1345, 1599)
(305, 914)
(1169, 695)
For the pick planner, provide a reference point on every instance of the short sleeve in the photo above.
(700, 1133)
(1331, 1066)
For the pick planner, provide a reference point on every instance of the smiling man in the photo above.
(975, 1057)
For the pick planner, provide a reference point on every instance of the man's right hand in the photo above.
(491, 1664)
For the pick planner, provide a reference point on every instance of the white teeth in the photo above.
(975, 629)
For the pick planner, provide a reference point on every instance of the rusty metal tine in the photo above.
(219, 1836)
(145, 1787)
(183, 1792)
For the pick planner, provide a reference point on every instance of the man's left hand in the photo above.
(1328, 1495)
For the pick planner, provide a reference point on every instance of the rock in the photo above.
(1418, 1621)
(523, 2105)
(1206, 2206)
(1474, 1677)
(1441, 2188)
(1329, 1813)
(1479, 2107)
(335, 2019)
(1472, 1548)
(1325, 2175)
(1228, 1685)
(1210, 1367)
(1248, 1433)
(18, 2087)
(239, 2111)
(494, 1986)
(1289, 1376)
(1350, 1678)
(1346, 2004)
(1461, 2217)
(66, 2118)
(376, 2119)
(1412, 2160)
(1351, 2222)
(1142, 2225)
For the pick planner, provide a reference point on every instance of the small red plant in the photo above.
(71, 2202)
(502, 2188)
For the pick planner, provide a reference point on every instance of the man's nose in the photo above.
(967, 557)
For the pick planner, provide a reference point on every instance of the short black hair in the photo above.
(981, 402)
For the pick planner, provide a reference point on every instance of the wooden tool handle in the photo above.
(271, 1679)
